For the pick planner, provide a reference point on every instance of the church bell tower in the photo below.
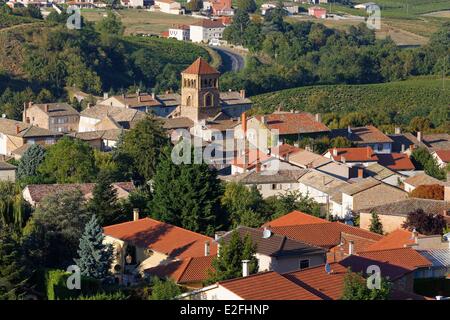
(200, 91)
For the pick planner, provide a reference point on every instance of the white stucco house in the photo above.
(206, 30)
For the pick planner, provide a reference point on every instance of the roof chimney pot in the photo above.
(135, 214)
(245, 270)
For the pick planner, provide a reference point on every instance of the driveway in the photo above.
(231, 60)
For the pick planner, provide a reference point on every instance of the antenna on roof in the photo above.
(327, 268)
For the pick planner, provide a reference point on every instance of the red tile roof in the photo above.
(162, 237)
(40, 191)
(444, 155)
(342, 250)
(326, 235)
(189, 270)
(267, 286)
(396, 239)
(360, 264)
(205, 23)
(284, 150)
(293, 123)
(326, 286)
(253, 157)
(402, 257)
(369, 134)
(294, 218)
(201, 67)
(361, 154)
(396, 161)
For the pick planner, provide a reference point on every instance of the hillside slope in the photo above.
(400, 101)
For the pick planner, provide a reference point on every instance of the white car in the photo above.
(214, 42)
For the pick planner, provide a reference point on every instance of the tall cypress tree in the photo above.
(104, 201)
(187, 195)
(375, 224)
(95, 257)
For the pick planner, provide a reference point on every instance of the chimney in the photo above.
(207, 251)
(17, 129)
(245, 268)
(419, 136)
(447, 192)
(360, 172)
(292, 110)
(242, 93)
(89, 105)
(349, 130)
(369, 153)
(139, 98)
(343, 160)
(153, 95)
(263, 119)
(135, 214)
(127, 106)
(318, 117)
(105, 95)
(335, 152)
(403, 148)
(24, 114)
(351, 247)
(398, 130)
(415, 235)
(46, 107)
(244, 123)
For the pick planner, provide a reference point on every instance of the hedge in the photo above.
(56, 287)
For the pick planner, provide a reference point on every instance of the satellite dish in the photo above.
(267, 233)
(327, 268)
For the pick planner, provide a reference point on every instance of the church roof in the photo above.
(200, 66)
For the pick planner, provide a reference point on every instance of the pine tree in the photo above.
(104, 201)
(186, 195)
(13, 276)
(228, 264)
(375, 224)
(30, 161)
(95, 257)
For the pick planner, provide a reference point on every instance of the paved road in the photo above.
(231, 60)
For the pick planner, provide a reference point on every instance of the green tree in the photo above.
(186, 195)
(52, 235)
(244, 206)
(104, 203)
(164, 289)
(13, 274)
(140, 149)
(355, 288)
(228, 264)
(290, 201)
(14, 210)
(111, 24)
(246, 5)
(29, 163)
(69, 161)
(194, 5)
(424, 160)
(95, 256)
(375, 224)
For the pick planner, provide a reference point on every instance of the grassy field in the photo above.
(407, 22)
(413, 97)
(141, 21)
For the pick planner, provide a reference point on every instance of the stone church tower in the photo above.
(200, 98)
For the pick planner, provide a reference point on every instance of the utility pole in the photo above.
(444, 72)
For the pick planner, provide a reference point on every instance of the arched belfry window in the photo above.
(189, 101)
(208, 100)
